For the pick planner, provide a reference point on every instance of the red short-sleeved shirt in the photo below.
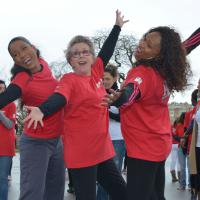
(7, 136)
(86, 137)
(146, 123)
(35, 90)
(180, 130)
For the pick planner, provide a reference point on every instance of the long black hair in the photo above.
(16, 68)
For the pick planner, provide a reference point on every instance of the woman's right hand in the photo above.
(34, 117)
(108, 99)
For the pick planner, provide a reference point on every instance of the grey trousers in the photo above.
(42, 170)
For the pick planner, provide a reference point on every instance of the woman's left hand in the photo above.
(34, 117)
(120, 19)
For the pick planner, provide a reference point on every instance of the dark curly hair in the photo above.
(171, 63)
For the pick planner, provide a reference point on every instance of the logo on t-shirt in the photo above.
(138, 80)
(98, 85)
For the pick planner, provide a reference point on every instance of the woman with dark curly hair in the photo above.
(160, 69)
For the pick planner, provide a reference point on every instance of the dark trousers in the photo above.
(195, 178)
(70, 184)
(106, 173)
(145, 179)
(42, 170)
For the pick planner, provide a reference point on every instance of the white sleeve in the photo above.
(197, 116)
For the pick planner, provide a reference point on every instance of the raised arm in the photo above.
(108, 47)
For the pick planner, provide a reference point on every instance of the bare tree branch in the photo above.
(123, 51)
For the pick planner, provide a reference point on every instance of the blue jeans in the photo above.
(183, 160)
(5, 162)
(120, 150)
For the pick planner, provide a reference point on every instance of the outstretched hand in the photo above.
(120, 19)
(34, 117)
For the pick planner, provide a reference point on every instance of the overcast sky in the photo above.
(50, 24)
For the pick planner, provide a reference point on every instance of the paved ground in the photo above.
(171, 191)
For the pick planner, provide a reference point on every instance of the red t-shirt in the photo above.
(7, 136)
(145, 123)
(180, 130)
(188, 117)
(86, 137)
(173, 130)
(35, 90)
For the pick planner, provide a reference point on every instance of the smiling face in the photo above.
(81, 59)
(24, 55)
(149, 47)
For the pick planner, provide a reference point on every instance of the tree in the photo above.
(124, 49)
(59, 68)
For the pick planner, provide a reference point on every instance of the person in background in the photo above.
(190, 140)
(160, 69)
(195, 148)
(7, 142)
(182, 154)
(10, 170)
(111, 75)
(42, 171)
(185, 141)
(174, 155)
